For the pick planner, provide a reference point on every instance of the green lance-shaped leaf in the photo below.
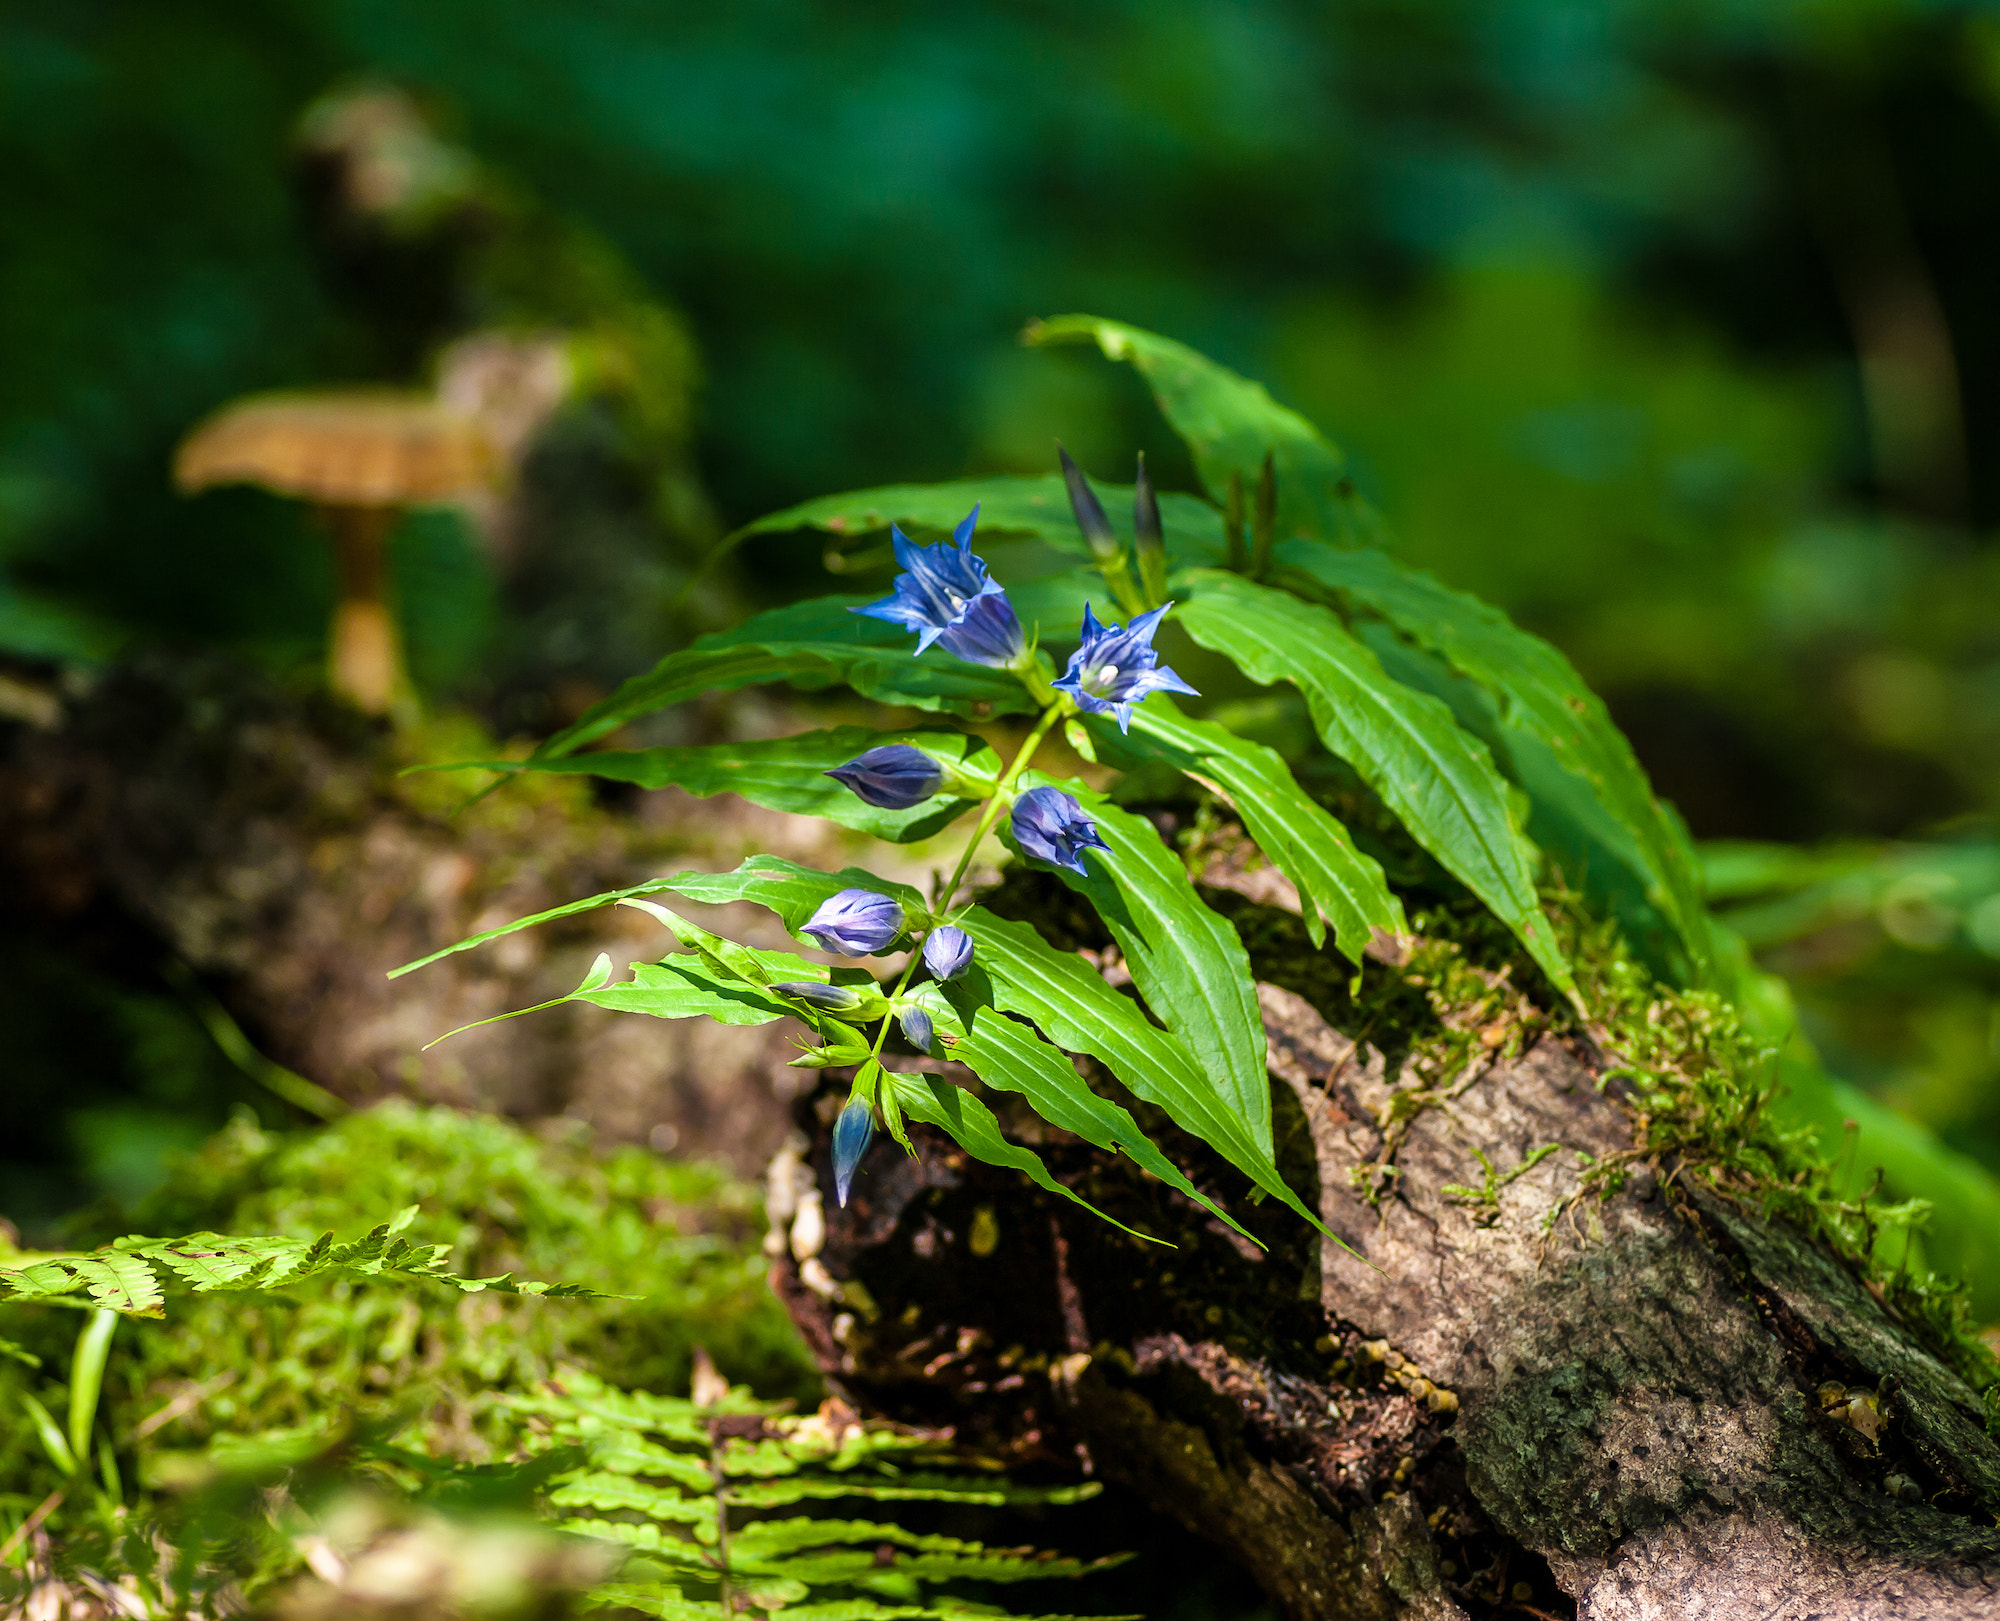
(1439, 780)
(969, 1123)
(784, 774)
(1009, 1055)
(1542, 701)
(1185, 958)
(1070, 1003)
(1336, 882)
(811, 645)
(687, 988)
(1010, 507)
(792, 891)
(1229, 424)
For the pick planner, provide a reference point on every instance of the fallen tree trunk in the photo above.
(187, 811)
(1516, 1386)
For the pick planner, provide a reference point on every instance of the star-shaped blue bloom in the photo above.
(1115, 668)
(945, 595)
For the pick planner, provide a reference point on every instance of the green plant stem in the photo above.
(987, 818)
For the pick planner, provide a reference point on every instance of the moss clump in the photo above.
(680, 1239)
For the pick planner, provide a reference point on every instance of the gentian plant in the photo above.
(1480, 739)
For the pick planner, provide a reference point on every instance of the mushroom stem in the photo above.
(364, 654)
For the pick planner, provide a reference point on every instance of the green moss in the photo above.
(1703, 1091)
(1701, 1086)
(680, 1239)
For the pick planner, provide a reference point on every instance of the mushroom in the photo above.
(361, 456)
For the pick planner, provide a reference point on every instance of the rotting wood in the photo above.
(1644, 1405)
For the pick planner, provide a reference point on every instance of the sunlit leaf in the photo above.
(1439, 780)
(1185, 958)
(811, 645)
(1336, 882)
(969, 1123)
(783, 773)
(1008, 1055)
(1070, 1003)
(1229, 424)
(1543, 702)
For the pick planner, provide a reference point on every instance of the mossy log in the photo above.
(189, 812)
(1507, 1384)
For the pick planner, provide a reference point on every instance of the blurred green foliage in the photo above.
(679, 1240)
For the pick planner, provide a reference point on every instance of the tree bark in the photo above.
(1542, 1403)
(187, 809)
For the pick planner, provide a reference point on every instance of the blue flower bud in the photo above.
(917, 1026)
(1088, 509)
(830, 998)
(1050, 825)
(896, 776)
(948, 952)
(855, 923)
(851, 1134)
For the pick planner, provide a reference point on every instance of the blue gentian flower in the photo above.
(851, 1133)
(855, 923)
(1050, 825)
(896, 776)
(1115, 668)
(945, 595)
(917, 1026)
(829, 998)
(948, 952)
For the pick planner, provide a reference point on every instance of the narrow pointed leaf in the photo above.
(1009, 507)
(1007, 1054)
(898, 1489)
(1185, 958)
(783, 773)
(969, 1123)
(1438, 779)
(1541, 697)
(1229, 423)
(686, 988)
(813, 644)
(792, 891)
(1070, 1003)
(1336, 882)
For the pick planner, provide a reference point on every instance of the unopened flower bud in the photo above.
(855, 923)
(917, 1027)
(827, 998)
(851, 1134)
(896, 776)
(948, 951)
(1051, 826)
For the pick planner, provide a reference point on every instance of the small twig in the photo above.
(32, 1523)
(189, 1399)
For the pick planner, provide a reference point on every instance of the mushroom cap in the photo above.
(341, 447)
